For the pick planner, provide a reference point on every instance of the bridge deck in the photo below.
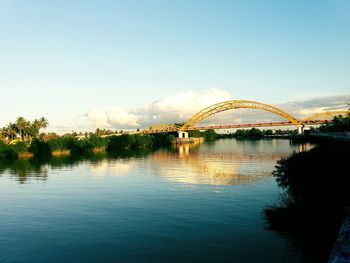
(236, 126)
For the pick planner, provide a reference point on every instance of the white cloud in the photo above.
(176, 108)
(98, 117)
(302, 109)
(181, 106)
(116, 117)
(311, 111)
(121, 117)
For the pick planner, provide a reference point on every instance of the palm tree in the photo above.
(43, 123)
(10, 131)
(34, 128)
(22, 124)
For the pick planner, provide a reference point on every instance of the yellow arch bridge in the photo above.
(192, 123)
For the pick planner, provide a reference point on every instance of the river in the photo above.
(195, 203)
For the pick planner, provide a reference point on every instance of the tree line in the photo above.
(23, 129)
(338, 124)
(23, 138)
(253, 133)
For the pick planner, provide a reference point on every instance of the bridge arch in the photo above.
(234, 104)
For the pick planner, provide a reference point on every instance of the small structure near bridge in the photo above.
(182, 134)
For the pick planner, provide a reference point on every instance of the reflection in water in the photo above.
(115, 167)
(208, 164)
(225, 162)
(21, 169)
(36, 168)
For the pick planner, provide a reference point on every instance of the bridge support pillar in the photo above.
(182, 134)
(301, 129)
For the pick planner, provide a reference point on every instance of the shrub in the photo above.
(40, 148)
(57, 144)
(316, 191)
(73, 145)
(6, 151)
(144, 141)
(19, 147)
(195, 134)
(210, 135)
(254, 133)
(162, 139)
(96, 141)
(339, 124)
(121, 142)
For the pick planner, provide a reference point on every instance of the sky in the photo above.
(124, 64)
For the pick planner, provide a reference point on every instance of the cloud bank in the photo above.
(302, 109)
(176, 108)
(181, 106)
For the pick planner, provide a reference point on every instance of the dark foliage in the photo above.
(339, 124)
(6, 151)
(40, 148)
(316, 191)
(163, 139)
(210, 135)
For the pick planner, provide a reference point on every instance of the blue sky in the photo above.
(61, 59)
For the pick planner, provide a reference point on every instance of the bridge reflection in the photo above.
(194, 164)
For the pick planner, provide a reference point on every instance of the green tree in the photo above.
(268, 132)
(142, 141)
(10, 131)
(170, 138)
(22, 124)
(34, 128)
(20, 147)
(24, 129)
(210, 135)
(195, 134)
(40, 148)
(121, 142)
(241, 133)
(254, 133)
(338, 124)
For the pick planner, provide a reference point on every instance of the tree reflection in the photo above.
(24, 169)
(316, 187)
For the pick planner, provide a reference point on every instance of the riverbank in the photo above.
(336, 136)
(318, 136)
(341, 249)
(311, 207)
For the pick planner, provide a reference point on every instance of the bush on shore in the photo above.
(127, 141)
(39, 148)
(12, 150)
(316, 191)
(338, 124)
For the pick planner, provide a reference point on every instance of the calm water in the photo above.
(192, 204)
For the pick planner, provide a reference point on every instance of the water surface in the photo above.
(201, 203)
